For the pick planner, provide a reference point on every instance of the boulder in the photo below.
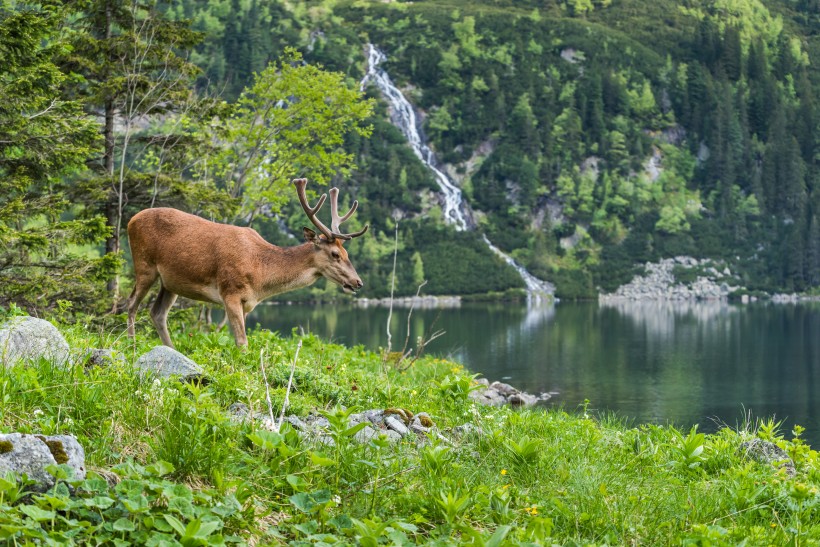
(396, 425)
(26, 339)
(164, 362)
(31, 454)
(769, 453)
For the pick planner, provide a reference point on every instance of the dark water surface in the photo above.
(660, 362)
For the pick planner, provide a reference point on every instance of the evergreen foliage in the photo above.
(44, 140)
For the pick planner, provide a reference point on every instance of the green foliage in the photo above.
(289, 123)
(43, 138)
(543, 476)
(142, 508)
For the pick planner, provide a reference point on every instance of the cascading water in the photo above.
(403, 116)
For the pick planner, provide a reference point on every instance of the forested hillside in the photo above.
(587, 136)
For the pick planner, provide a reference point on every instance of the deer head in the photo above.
(330, 257)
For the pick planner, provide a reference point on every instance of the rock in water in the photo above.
(31, 454)
(163, 361)
(29, 339)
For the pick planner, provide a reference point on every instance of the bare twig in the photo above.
(392, 288)
(290, 382)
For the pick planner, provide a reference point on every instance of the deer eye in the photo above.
(335, 254)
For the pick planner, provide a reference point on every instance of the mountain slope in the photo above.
(586, 136)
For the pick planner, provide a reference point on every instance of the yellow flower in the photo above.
(773, 525)
(503, 471)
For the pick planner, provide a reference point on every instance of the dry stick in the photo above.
(392, 287)
(290, 382)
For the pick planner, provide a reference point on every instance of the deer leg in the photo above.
(234, 311)
(141, 286)
(159, 314)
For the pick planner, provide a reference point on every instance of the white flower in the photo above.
(38, 412)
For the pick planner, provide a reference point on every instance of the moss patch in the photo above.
(426, 421)
(6, 447)
(56, 448)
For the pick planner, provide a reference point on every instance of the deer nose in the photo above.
(359, 284)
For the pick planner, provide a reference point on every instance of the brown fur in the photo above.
(223, 264)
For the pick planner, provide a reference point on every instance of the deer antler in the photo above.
(335, 221)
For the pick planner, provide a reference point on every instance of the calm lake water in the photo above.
(660, 362)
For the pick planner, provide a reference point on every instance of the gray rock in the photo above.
(26, 339)
(376, 416)
(396, 425)
(522, 399)
(365, 435)
(164, 362)
(31, 454)
(296, 422)
(419, 429)
(467, 429)
(489, 397)
(391, 435)
(504, 389)
(239, 412)
(767, 452)
(97, 357)
(317, 421)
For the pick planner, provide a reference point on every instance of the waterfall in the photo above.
(403, 116)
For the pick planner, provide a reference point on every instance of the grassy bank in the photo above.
(190, 475)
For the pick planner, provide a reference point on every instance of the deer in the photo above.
(232, 266)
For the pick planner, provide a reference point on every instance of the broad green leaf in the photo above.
(124, 525)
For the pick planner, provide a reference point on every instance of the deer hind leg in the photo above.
(144, 279)
(159, 314)
(234, 311)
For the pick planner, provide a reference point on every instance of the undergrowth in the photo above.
(189, 475)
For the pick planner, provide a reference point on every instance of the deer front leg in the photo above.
(234, 311)
(159, 314)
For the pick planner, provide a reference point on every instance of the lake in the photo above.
(662, 362)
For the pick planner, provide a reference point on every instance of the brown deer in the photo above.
(231, 265)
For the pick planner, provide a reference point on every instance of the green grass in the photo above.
(192, 477)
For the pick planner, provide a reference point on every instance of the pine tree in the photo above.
(127, 54)
(43, 138)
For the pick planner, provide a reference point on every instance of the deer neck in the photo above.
(289, 268)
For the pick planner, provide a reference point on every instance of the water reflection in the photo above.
(683, 362)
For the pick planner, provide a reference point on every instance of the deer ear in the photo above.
(310, 235)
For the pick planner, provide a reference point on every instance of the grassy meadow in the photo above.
(189, 475)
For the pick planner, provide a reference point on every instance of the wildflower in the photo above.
(414, 393)
(503, 471)
(38, 412)
(773, 525)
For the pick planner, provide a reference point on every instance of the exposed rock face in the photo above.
(31, 454)
(498, 394)
(712, 282)
(163, 361)
(767, 452)
(26, 339)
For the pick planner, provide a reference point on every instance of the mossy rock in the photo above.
(405, 415)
